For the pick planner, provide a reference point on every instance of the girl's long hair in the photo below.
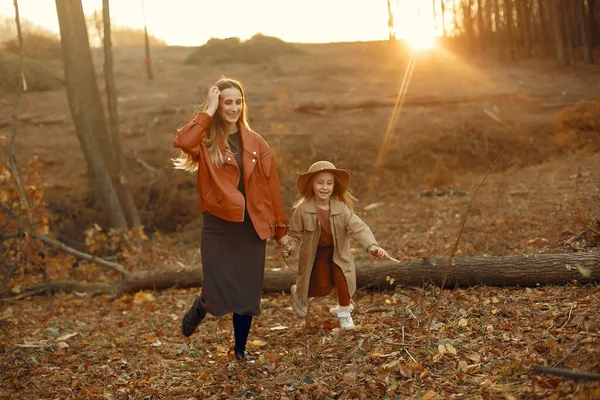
(216, 136)
(340, 192)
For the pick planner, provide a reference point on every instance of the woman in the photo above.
(240, 200)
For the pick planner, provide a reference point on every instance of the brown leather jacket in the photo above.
(217, 186)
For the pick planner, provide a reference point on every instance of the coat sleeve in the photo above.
(358, 229)
(190, 137)
(270, 172)
(296, 228)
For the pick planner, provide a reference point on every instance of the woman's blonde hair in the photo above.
(216, 136)
(340, 192)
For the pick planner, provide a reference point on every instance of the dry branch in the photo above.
(567, 373)
(79, 254)
(539, 269)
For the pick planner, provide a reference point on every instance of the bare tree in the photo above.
(147, 46)
(391, 30)
(124, 191)
(86, 107)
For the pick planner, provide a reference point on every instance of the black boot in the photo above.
(193, 317)
(244, 356)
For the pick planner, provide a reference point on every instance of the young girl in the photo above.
(322, 225)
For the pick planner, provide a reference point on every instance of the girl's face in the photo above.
(323, 185)
(230, 105)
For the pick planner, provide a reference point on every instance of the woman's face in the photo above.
(230, 105)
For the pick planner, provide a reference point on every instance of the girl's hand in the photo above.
(377, 251)
(213, 100)
(285, 246)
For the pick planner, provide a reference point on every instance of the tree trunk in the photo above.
(508, 11)
(481, 33)
(443, 6)
(468, 24)
(557, 30)
(497, 24)
(566, 12)
(147, 46)
(124, 190)
(594, 21)
(545, 36)
(86, 106)
(488, 18)
(523, 18)
(539, 269)
(391, 31)
(584, 29)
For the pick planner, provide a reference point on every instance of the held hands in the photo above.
(212, 100)
(285, 246)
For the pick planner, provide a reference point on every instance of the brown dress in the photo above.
(233, 259)
(327, 275)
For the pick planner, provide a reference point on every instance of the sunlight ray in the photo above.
(394, 118)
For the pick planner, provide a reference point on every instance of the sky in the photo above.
(193, 22)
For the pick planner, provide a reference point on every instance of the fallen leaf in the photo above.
(451, 349)
(279, 328)
(143, 297)
(62, 345)
(475, 357)
(349, 377)
(67, 336)
(463, 322)
(429, 395)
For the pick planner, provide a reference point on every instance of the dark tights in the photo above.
(241, 328)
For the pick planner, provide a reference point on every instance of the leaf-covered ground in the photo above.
(483, 344)
(542, 197)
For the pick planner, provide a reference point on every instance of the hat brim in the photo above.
(343, 177)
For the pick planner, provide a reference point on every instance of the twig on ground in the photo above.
(152, 171)
(410, 355)
(569, 317)
(462, 228)
(589, 227)
(403, 344)
(79, 254)
(567, 373)
(562, 360)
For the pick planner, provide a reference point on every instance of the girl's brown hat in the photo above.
(342, 175)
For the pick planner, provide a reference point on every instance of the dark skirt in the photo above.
(233, 266)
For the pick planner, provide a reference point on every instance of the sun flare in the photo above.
(421, 40)
(415, 25)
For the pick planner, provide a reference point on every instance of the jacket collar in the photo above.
(335, 206)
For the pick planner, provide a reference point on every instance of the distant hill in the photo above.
(258, 48)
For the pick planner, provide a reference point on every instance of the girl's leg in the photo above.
(341, 285)
(321, 280)
(241, 328)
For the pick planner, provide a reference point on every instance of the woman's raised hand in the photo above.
(213, 99)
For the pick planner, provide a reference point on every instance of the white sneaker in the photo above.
(345, 320)
(336, 310)
(301, 312)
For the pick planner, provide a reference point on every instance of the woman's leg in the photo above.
(321, 279)
(241, 328)
(341, 285)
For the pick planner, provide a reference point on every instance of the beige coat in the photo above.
(305, 231)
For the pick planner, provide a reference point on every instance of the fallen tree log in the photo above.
(532, 270)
